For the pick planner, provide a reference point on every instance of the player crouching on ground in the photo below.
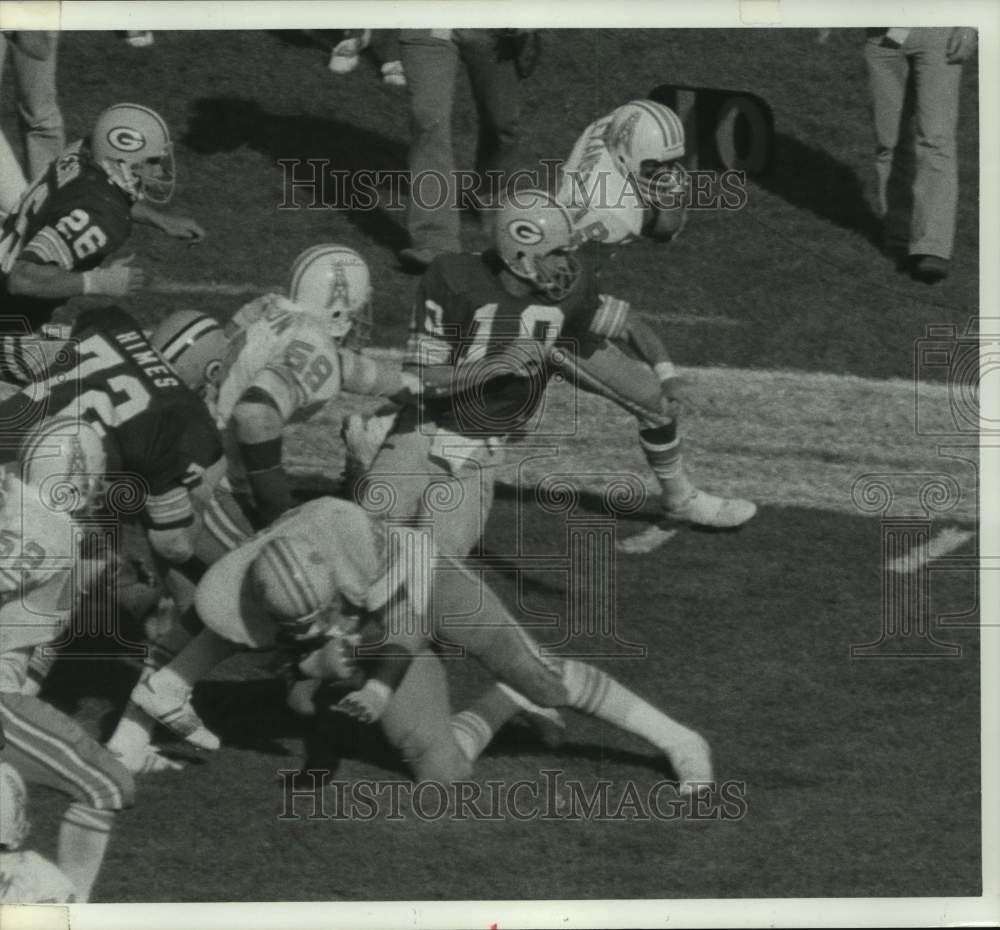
(321, 577)
(44, 745)
(26, 877)
(279, 361)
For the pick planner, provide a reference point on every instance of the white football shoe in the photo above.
(393, 74)
(346, 52)
(718, 513)
(139, 39)
(148, 761)
(173, 710)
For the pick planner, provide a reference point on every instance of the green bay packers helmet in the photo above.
(646, 140)
(194, 345)
(533, 238)
(333, 282)
(132, 144)
(65, 459)
(14, 825)
(294, 584)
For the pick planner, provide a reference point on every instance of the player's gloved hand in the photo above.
(119, 279)
(181, 227)
(367, 704)
(334, 660)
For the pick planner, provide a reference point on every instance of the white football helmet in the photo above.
(65, 459)
(194, 345)
(646, 141)
(132, 144)
(333, 282)
(533, 237)
(293, 584)
(14, 825)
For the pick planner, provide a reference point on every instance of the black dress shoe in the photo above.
(929, 268)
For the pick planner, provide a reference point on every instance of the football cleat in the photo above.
(366, 705)
(710, 512)
(194, 345)
(333, 283)
(148, 761)
(691, 760)
(132, 144)
(533, 237)
(174, 711)
(546, 722)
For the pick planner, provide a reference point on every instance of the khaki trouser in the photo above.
(934, 106)
(37, 106)
(430, 62)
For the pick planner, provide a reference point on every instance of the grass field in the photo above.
(861, 776)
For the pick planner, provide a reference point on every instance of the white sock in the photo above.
(83, 840)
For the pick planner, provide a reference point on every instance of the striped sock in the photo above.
(662, 448)
(83, 840)
(596, 693)
(476, 726)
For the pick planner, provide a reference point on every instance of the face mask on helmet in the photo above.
(533, 239)
(194, 345)
(294, 585)
(14, 824)
(663, 184)
(65, 459)
(132, 144)
(333, 283)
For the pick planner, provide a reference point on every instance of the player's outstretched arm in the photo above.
(259, 425)
(173, 225)
(50, 281)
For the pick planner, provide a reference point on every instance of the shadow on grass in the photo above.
(810, 178)
(224, 124)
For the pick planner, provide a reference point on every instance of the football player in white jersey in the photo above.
(327, 577)
(623, 180)
(38, 563)
(278, 362)
(26, 877)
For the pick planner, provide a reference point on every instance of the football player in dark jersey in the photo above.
(157, 432)
(76, 215)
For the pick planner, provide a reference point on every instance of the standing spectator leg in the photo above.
(38, 106)
(935, 187)
(432, 218)
(887, 78)
(12, 180)
(493, 75)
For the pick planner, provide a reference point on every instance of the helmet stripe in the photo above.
(310, 255)
(156, 116)
(288, 570)
(53, 428)
(178, 344)
(672, 129)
